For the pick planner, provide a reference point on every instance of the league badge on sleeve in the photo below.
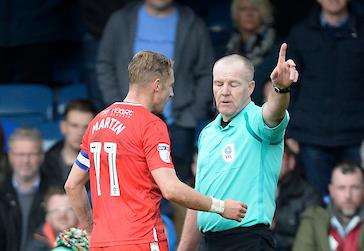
(164, 152)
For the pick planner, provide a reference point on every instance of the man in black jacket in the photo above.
(327, 109)
(176, 32)
(22, 193)
(59, 159)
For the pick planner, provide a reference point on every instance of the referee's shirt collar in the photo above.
(235, 120)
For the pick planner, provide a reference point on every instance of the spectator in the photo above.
(59, 159)
(95, 14)
(59, 217)
(290, 13)
(254, 38)
(175, 31)
(294, 195)
(32, 34)
(23, 191)
(327, 114)
(339, 227)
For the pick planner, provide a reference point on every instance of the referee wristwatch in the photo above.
(281, 90)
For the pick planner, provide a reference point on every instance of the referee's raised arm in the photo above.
(282, 77)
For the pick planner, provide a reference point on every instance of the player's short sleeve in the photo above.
(272, 135)
(156, 145)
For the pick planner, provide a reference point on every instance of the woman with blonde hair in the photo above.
(254, 38)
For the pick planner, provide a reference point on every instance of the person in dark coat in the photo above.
(22, 193)
(327, 105)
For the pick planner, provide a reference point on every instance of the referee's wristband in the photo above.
(217, 206)
(281, 90)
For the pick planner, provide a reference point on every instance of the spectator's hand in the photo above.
(293, 145)
(285, 73)
(234, 210)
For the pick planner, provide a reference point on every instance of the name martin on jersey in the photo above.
(111, 123)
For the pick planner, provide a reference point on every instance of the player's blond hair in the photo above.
(146, 65)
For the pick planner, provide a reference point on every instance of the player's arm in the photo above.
(76, 191)
(175, 190)
(282, 77)
(190, 237)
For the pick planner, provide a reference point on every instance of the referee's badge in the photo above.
(228, 153)
(164, 152)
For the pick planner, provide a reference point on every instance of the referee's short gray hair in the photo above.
(238, 58)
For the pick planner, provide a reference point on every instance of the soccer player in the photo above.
(126, 154)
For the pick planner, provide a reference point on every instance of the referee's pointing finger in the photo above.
(282, 54)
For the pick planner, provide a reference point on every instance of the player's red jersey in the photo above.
(122, 145)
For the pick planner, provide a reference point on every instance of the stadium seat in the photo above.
(69, 93)
(50, 132)
(26, 104)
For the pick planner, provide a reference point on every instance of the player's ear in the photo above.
(157, 87)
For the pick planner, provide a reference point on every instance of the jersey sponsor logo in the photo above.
(164, 152)
(228, 153)
(121, 112)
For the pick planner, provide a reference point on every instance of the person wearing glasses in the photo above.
(23, 190)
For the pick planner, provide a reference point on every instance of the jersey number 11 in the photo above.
(110, 149)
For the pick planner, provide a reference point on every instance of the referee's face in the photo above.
(231, 89)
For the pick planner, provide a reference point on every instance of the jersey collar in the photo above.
(236, 120)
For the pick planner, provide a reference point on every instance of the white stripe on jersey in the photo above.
(83, 160)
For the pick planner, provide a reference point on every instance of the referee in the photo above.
(240, 155)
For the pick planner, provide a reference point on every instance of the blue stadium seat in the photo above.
(50, 132)
(26, 104)
(69, 93)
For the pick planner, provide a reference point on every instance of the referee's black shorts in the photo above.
(255, 238)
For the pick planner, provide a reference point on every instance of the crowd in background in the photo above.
(63, 42)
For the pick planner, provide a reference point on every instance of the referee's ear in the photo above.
(251, 87)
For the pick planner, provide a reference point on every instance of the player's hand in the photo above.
(285, 73)
(234, 210)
